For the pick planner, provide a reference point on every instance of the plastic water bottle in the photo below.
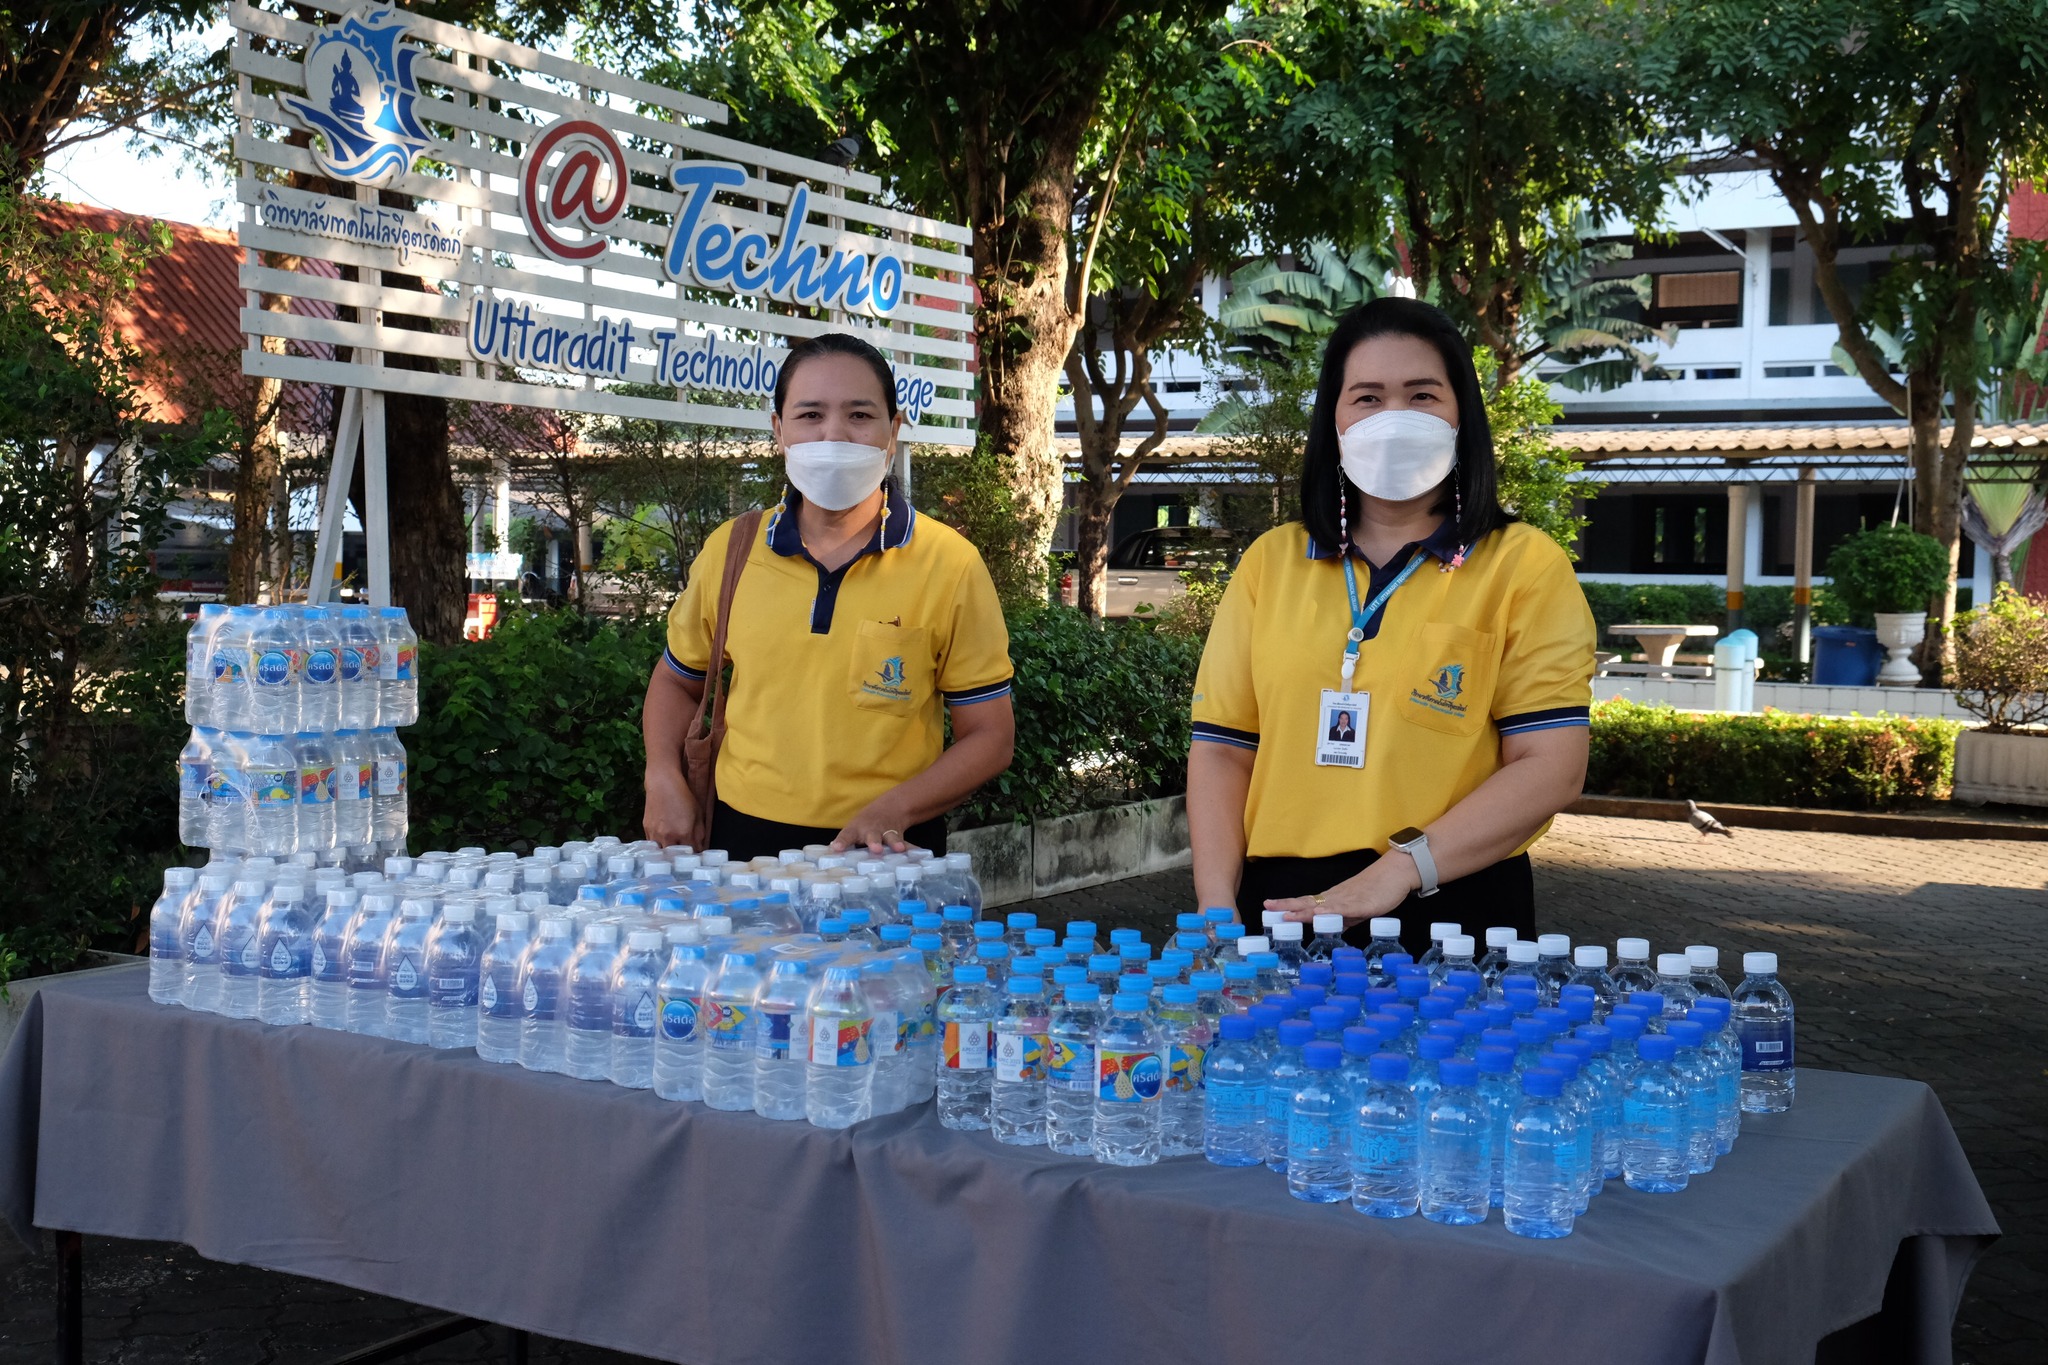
(1070, 1073)
(1655, 1118)
(166, 943)
(229, 688)
(634, 1012)
(543, 1006)
(327, 981)
(678, 1071)
(320, 671)
(227, 794)
(1539, 1190)
(1674, 983)
(1185, 1037)
(1553, 965)
(729, 1033)
(1457, 1159)
(276, 656)
(272, 773)
(1497, 940)
(1284, 1068)
(198, 663)
(405, 971)
(284, 955)
(1017, 1090)
(1329, 937)
(315, 822)
(1500, 1092)
(1318, 1157)
(781, 1036)
(1129, 1079)
(1705, 961)
(1287, 944)
(1234, 1096)
(1632, 970)
(1386, 1176)
(1701, 1093)
(587, 1003)
(966, 1050)
(454, 977)
(498, 1009)
(836, 1049)
(889, 1031)
(195, 774)
(1581, 1104)
(388, 798)
(1724, 1060)
(1438, 931)
(1607, 1088)
(1457, 956)
(1589, 969)
(363, 952)
(359, 692)
(917, 1001)
(234, 933)
(355, 771)
(398, 700)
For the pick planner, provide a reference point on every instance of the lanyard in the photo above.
(1359, 618)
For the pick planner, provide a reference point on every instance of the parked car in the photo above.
(1145, 568)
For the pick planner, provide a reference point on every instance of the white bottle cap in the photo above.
(534, 902)
(1329, 924)
(416, 909)
(248, 886)
(1269, 918)
(1704, 957)
(1287, 931)
(1386, 926)
(1441, 930)
(600, 933)
(690, 932)
(960, 862)
(1634, 949)
(1553, 945)
(1760, 964)
(512, 922)
(644, 940)
(1589, 955)
(1522, 951)
(1459, 945)
(1500, 936)
(1673, 964)
(716, 926)
(791, 855)
(1253, 943)
(459, 912)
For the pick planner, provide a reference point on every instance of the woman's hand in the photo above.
(878, 828)
(1376, 891)
(670, 816)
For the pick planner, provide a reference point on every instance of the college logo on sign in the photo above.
(1446, 686)
(359, 98)
(573, 179)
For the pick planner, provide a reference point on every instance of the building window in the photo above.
(1697, 298)
(1788, 371)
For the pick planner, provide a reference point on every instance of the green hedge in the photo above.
(1771, 759)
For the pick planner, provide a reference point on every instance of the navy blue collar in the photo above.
(1442, 542)
(899, 519)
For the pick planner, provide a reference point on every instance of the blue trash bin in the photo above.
(1846, 656)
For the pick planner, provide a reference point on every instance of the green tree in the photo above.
(1540, 482)
(1852, 108)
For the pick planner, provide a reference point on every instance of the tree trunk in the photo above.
(1938, 504)
(255, 472)
(427, 549)
(1094, 507)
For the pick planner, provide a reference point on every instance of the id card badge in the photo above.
(1340, 729)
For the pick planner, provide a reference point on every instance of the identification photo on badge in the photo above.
(1341, 730)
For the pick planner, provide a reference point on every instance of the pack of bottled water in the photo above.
(294, 749)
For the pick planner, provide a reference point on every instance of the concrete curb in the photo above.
(1017, 863)
(1816, 821)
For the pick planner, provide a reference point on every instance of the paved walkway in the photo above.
(1907, 957)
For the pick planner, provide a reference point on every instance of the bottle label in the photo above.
(280, 958)
(1767, 1045)
(1127, 1077)
(642, 1016)
(221, 787)
(320, 666)
(841, 1042)
(246, 959)
(202, 944)
(390, 777)
(1020, 1057)
(351, 663)
(727, 1024)
(679, 1018)
(1184, 1071)
(1376, 1151)
(888, 1036)
(532, 997)
(967, 1045)
(408, 656)
(928, 1019)
(228, 666)
(316, 785)
(1238, 1105)
(1069, 1065)
(273, 787)
(387, 664)
(486, 993)
(450, 992)
(771, 1037)
(405, 977)
(271, 667)
(1305, 1134)
(195, 777)
(319, 959)
(1651, 1120)
(1279, 1099)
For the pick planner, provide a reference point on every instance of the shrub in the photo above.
(1888, 569)
(1686, 604)
(1772, 759)
(2002, 661)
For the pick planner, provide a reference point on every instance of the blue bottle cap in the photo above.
(1266, 962)
(1161, 971)
(1555, 1019)
(1599, 1035)
(1206, 981)
(1266, 1016)
(1325, 1018)
(1350, 983)
(1134, 952)
(1434, 1047)
(970, 975)
(1391, 1067)
(987, 930)
(1499, 1014)
(1307, 996)
(1688, 1032)
(1653, 1001)
(1219, 914)
(1531, 1032)
(1192, 921)
(1178, 958)
(1578, 1011)
(1543, 1083)
(1025, 985)
(957, 914)
(1029, 964)
(1178, 995)
(1322, 1056)
(1657, 1047)
(1577, 992)
(1361, 1042)
(1101, 963)
(1347, 953)
(1080, 928)
(1714, 1004)
(1495, 1061)
(1626, 1028)
(1435, 1007)
(1315, 974)
(1236, 1028)
(992, 952)
(927, 943)
(1445, 1028)
(1069, 976)
(1240, 971)
(1393, 962)
(1130, 1002)
(1295, 1032)
(1040, 938)
(1574, 1047)
(927, 919)
(1229, 933)
(1353, 1007)
(832, 924)
(1123, 936)
(895, 933)
(1135, 983)
(1084, 993)
(1401, 1010)
(1191, 942)
(1458, 1071)
(1411, 987)
(1467, 981)
(1379, 997)
(1022, 919)
(1710, 1020)
(1498, 1037)
(854, 917)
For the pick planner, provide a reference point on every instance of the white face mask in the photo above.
(835, 475)
(1398, 455)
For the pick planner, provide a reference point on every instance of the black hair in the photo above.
(1477, 487)
(836, 343)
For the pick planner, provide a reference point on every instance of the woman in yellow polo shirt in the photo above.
(858, 627)
(1393, 701)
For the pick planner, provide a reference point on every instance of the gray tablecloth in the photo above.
(595, 1214)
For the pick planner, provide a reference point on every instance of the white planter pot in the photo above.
(1992, 767)
(1900, 632)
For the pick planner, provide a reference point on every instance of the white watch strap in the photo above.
(1424, 863)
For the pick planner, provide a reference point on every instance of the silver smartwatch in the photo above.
(1415, 844)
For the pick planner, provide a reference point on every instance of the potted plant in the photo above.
(2002, 676)
(1889, 573)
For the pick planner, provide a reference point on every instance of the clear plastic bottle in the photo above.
(1283, 1077)
(319, 671)
(284, 955)
(1017, 1089)
(166, 943)
(1518, 972)
(587, 1003)
(1553, 965)
(195, 775)
(276, 657)
(1578, 1098)
(388, 821)
(678, 1071)
(729, 1033)
(360, 652)
(960, 872)
(1606, 1083)
(1501, 1093)
(1385, 1163)
(199, 663)
(889, 1034)
(1130, 1077)
(1386, 938)
(1655, 1117)
(967, 1049)
(1329, 937)
(227, 793)
(543, 997)
(1705, 961)
(781, 1035)
(1674, 983)
(234, 933)
(835, 1049)
(1070, 1072)
(405, 971)
(1287, 945)
(1702, 1093)
(1185, 1037)
(1589, 969)
(1632, 970)
(1439, 930)
(232, 640)
(272, 773)
(635, 1013)
(917, 999)
(398, 701)
(1457, 1161)
(363, 947)
(1318, 1155)
(1497, 940)
(1234, 1096)
(1455, 954)
(1540, 1196)
(355, 773)
(1724, 1059)
(327, 968)
(315, 818)
(498, 1002)
(454, 977)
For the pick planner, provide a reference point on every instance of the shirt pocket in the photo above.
(891, 669)
(1457, 670)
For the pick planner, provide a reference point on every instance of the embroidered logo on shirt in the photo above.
(1445, 687)
(888, 681)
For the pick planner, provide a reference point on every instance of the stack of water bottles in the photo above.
(294, 748)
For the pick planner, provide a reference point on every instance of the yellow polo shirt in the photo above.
(840, 677)
(1455, 659)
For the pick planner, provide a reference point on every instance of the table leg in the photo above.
(517, 1346)
(70, 1298)
(405, 1343)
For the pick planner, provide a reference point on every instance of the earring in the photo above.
(1343, 516)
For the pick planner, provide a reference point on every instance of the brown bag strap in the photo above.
(712, 708)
